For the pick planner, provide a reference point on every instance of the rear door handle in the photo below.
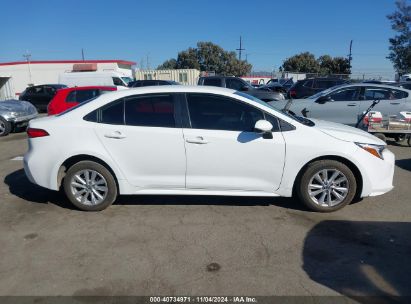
(197, 140)
(115, 135)
(351, 105)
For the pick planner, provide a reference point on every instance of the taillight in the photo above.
(293, 93)
(33, 133)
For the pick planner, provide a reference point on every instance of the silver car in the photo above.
(346, 103)
(15, 114)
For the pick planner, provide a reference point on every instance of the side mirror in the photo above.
(323, 99)
(263, 126)
(244, 88)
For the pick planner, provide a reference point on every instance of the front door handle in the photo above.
(351, 105)
(394, 103)
(115, 135)
(197, 140)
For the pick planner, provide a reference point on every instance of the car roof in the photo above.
(111, 88)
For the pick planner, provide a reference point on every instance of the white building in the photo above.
(16, 76)
(183, 76)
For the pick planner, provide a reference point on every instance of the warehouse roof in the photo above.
(68, 61)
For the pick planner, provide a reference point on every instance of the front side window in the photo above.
(150, 111)
(234, 84)
(117, 81)
(347, 94)
(221, 113)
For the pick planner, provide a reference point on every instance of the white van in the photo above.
(406, 77)
(77, 79)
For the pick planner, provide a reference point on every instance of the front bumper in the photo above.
(378, 174)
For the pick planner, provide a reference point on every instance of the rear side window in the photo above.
(150, 111)
(372, 93)
(113, 113)
(215, 82)
(324, 84)
(81, 95)
(221, 113)
(308, 84)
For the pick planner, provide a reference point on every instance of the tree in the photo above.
(325, 64)
(400, 49)
(336, 65)
(170, 64)
(209, 57)
(304, 62)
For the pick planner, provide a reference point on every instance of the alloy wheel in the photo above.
(328, 187)
(89, 187)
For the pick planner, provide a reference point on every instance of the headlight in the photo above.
(13, 114)
(375, 150)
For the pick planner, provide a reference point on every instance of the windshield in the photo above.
(127, 80)
(302, 120)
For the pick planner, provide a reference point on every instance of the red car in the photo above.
(70, 97)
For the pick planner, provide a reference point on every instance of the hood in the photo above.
(346, 133)
(14, 105)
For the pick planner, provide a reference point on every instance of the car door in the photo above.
(143, 135)
(46, 96)
(391, 101)
(223, 151)
(343, 106)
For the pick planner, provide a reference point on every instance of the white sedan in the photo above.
(201, 141)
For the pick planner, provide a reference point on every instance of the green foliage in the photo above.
(170, 64)
(209, 57)
(400, 48)
(325, 64)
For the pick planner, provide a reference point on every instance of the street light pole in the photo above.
(27, 56)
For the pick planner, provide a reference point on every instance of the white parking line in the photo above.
(17, 158)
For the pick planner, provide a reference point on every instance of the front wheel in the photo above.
(90, 186)
(5, 127)
(327, 185)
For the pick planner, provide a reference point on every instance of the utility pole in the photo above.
(27, 56)
(350, 55)
(240, 49)
(82, 54)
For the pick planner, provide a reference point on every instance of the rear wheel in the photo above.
(327, 185)
(5, 127)
(90, 186)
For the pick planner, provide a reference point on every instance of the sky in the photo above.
(156, 30)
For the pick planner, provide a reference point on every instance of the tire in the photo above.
(5, 127)
(78, 181)
(345, 178)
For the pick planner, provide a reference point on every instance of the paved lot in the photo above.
(164, 245)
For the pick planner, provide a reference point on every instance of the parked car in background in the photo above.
(41, 95)
(217, 142)
(146, 83)
(404, 85)
(405, 77)
(70, 97)
(346, 103)
(99, 78)
(311, 86)
(286, 83)
(15, 114)
(239, 84)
